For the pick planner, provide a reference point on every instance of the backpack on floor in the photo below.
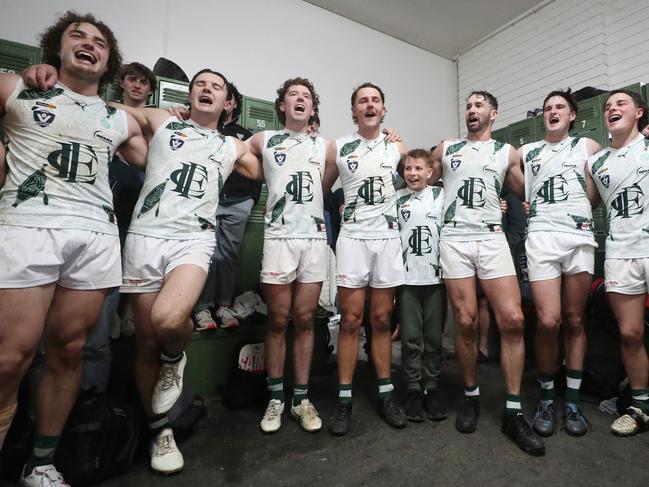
(99, 439)
(188, 410)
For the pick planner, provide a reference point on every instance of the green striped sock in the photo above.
(640, 399)
(345, 392)
(573, 384)
(43, 452)
(472, 392)
(547, 386)
(385, 388)
(513, 404)
(275, 387)
(300, 391)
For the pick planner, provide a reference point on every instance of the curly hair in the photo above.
(281, 93)
(51, 43)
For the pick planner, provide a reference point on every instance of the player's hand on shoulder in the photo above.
(180, 112)
(41, 76)
(392, 135)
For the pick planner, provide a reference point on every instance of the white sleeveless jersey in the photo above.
(367, 170)
(186, 168)
(420, 219)
(555, 186)
(293, 167)
(622, 179)
(473, 174)
(59, 147)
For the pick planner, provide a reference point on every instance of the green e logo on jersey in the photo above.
(301, 187)
(472, 193)
(627, 202)
(371, 191)
(419, 240)
(74, 162)
(553, 190)
(190, 180)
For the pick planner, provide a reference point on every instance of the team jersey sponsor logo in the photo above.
(352, 165)
(489, 169)
(455, 163)
(99, 135)
(213, 159)
(405, 214)
(535, 168)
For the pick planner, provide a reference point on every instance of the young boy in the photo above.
(422, 300)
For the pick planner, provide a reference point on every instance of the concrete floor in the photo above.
(228, 448)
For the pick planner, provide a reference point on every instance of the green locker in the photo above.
(258, 115)
(645, 92)
(635, 87)
(501, 135)
(590, 120)
(252, 246)
(522, 132)
(14, 58)
(539, 127)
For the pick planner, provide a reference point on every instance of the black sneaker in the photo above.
(515, 426)
(414, 407)
(392, 413)
(574, 421)
(544, 418)
(435, 407)
(339, 421)
(467, 418)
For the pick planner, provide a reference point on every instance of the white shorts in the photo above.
(294, 259)
(550, 254)
(627, 276)
(147, 260)
(74, 259)
(377, 263)
(488, 259)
